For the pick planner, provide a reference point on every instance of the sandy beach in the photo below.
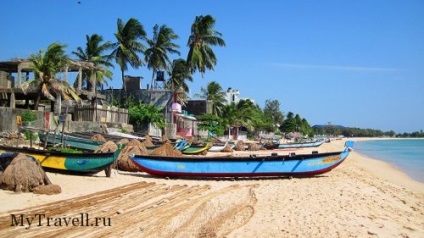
(360, 198)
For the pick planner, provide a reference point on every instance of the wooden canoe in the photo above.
(248, 166)
(76, 163)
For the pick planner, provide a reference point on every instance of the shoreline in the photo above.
(354, 199)
(394, 166)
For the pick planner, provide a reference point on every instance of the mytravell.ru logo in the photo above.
(81, 219)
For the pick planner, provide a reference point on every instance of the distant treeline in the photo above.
(359, 132)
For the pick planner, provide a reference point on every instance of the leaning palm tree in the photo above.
(128, 45)
(45, 66)
(94, 53)
(160, 46)
(201, 56)
(179, 73)
(214, 93)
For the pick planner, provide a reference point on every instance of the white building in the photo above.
(232, 96)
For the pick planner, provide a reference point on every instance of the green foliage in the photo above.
(65, 150)
(160, 46)
(94, 53)
(45, 66)
(216, 95)
(289, 125)
(29, 135)
(203, 35)
(415, 134)
(128, 45)
(28, 116)
(211, 123)
(146, 113)
(273, 113)
(360, 132)
(179, 73)
(122, 99)
(245, 114)
(294, 123)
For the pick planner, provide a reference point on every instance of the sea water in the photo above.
(405, 154)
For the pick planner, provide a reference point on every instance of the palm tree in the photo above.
(94, 53)
(244, 113)
(160, 46)
(200, 56)
(128, 45)
(179, 73)
(45, 66)
(214, 93)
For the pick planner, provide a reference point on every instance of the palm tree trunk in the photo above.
(37, 100)
(59, 103)
(123, 81)
(153, 78)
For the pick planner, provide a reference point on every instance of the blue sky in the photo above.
(352, 63)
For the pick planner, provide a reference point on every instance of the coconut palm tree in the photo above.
(128, 46)
(214, 93)
(45, 66)
(201, 56)
(179, 73)
(244, 113)
(94, 53)
(160, 46)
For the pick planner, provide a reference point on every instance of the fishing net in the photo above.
(23, 174)
(133, 147)
(166, 150)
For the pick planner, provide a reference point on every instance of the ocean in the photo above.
(405, 154)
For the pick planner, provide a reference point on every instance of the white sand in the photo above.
(360, 198)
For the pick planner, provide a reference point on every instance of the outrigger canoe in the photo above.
(194, 149)
(218, 146)
(294, 145)
(76, 163)
(250, 166)
(69, 141)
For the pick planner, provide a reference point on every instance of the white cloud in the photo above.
(332, 67)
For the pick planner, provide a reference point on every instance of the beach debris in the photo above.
(49, 189)
(133, 147)
(166, 150)
(23, 174)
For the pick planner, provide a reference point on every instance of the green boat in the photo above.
(75, 163)
(197, 149)
(68, 140)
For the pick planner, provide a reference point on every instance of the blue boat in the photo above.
(250, 166)
(294, 145)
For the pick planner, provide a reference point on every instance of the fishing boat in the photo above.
(194, 149)
(293, 145)
(218, 146)
(69, 140)
(249, 166)
(181, 144)
(76, 163)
